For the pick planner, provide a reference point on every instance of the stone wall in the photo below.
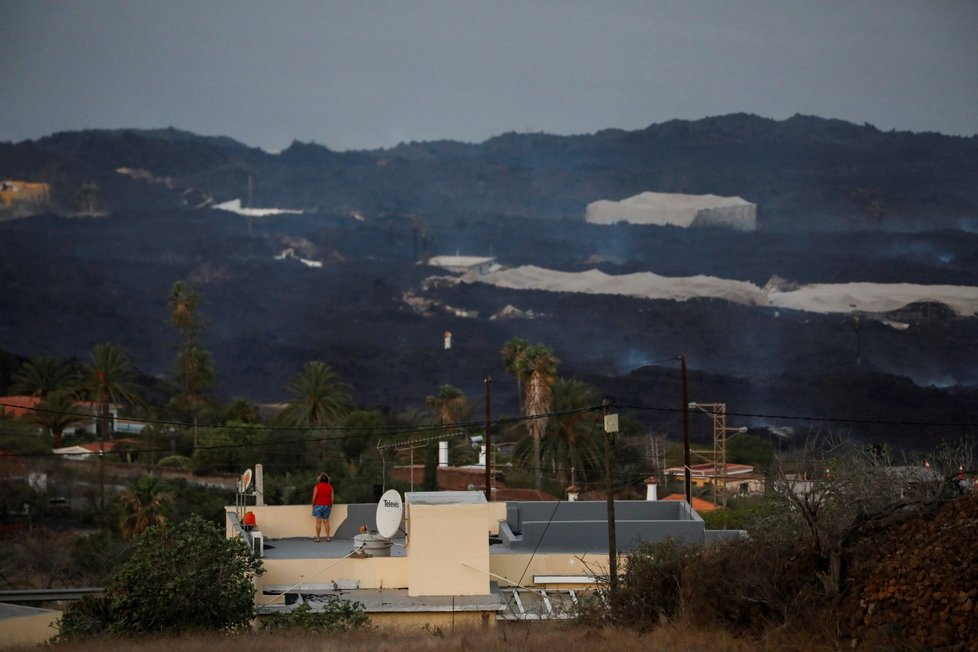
(917, 583)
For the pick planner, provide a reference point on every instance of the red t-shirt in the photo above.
(324, 493)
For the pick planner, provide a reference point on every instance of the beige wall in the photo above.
(497, 513)
(289, 521)
(371, 573)
(512, 566)
(442, 539)
(28, 629)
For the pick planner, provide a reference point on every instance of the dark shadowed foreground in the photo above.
(504, 638)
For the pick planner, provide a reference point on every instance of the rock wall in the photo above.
(916, 584)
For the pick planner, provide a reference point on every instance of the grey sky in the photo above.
(371, 74)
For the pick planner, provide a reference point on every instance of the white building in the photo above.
(688, 211)
(463, 264)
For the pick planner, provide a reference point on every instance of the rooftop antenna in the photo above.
(245, 486)
(413, 444)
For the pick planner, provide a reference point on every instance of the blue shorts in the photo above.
(321, 511)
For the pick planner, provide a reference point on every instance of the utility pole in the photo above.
(686, 470)
(610, 428)
(488, 439)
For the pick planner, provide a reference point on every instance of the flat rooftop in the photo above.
(308, 548)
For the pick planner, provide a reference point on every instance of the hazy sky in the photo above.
(363, 74)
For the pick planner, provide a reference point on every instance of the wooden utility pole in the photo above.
(686, 470)
(488, 439)
(610, 428)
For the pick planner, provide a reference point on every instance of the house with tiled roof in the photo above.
(84, 451)
(737, 478)
(23, 406)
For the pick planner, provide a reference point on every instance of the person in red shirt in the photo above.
(322, 504)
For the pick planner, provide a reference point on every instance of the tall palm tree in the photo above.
(319, 398)
(538, 365)
(56, 412)
(144, 504)
(195, 367)
(108, 378)
(40, 376)
(512, 351)
(183, 304)
(195, 373)
(449, 405)
(573, 438)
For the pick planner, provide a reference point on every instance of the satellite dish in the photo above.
(389, 511)
(246, 481)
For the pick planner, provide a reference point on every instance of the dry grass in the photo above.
(504, 638)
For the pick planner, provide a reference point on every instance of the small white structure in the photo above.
(688, 211)
(465, 264)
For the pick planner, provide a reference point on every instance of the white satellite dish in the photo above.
(389, 511)
(246, 481)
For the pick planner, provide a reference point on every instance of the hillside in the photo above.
(377, 315)
(804, 173)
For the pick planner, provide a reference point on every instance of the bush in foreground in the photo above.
(184, 577)
(335, 616)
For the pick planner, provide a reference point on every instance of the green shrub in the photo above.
(83, 618)
(336, 616)
(177, 462)
(185, 577)
(649, 589)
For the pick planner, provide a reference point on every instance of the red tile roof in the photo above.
(18, 406)
(698, 504)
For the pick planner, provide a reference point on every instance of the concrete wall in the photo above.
(445, 542)
(290, 521)
(370, 573)
(519, 569)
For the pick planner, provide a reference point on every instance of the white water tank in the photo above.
(372, 544)
(443, 453)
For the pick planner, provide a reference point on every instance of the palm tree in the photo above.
(195, 367)
(573, 437)
(56, 412)
(195, 373)
(108, 379)
(512, 351)
(144, 504)
(40, 376)
(183, 303)
(319, 398)
(449, 405)
(538, 365)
